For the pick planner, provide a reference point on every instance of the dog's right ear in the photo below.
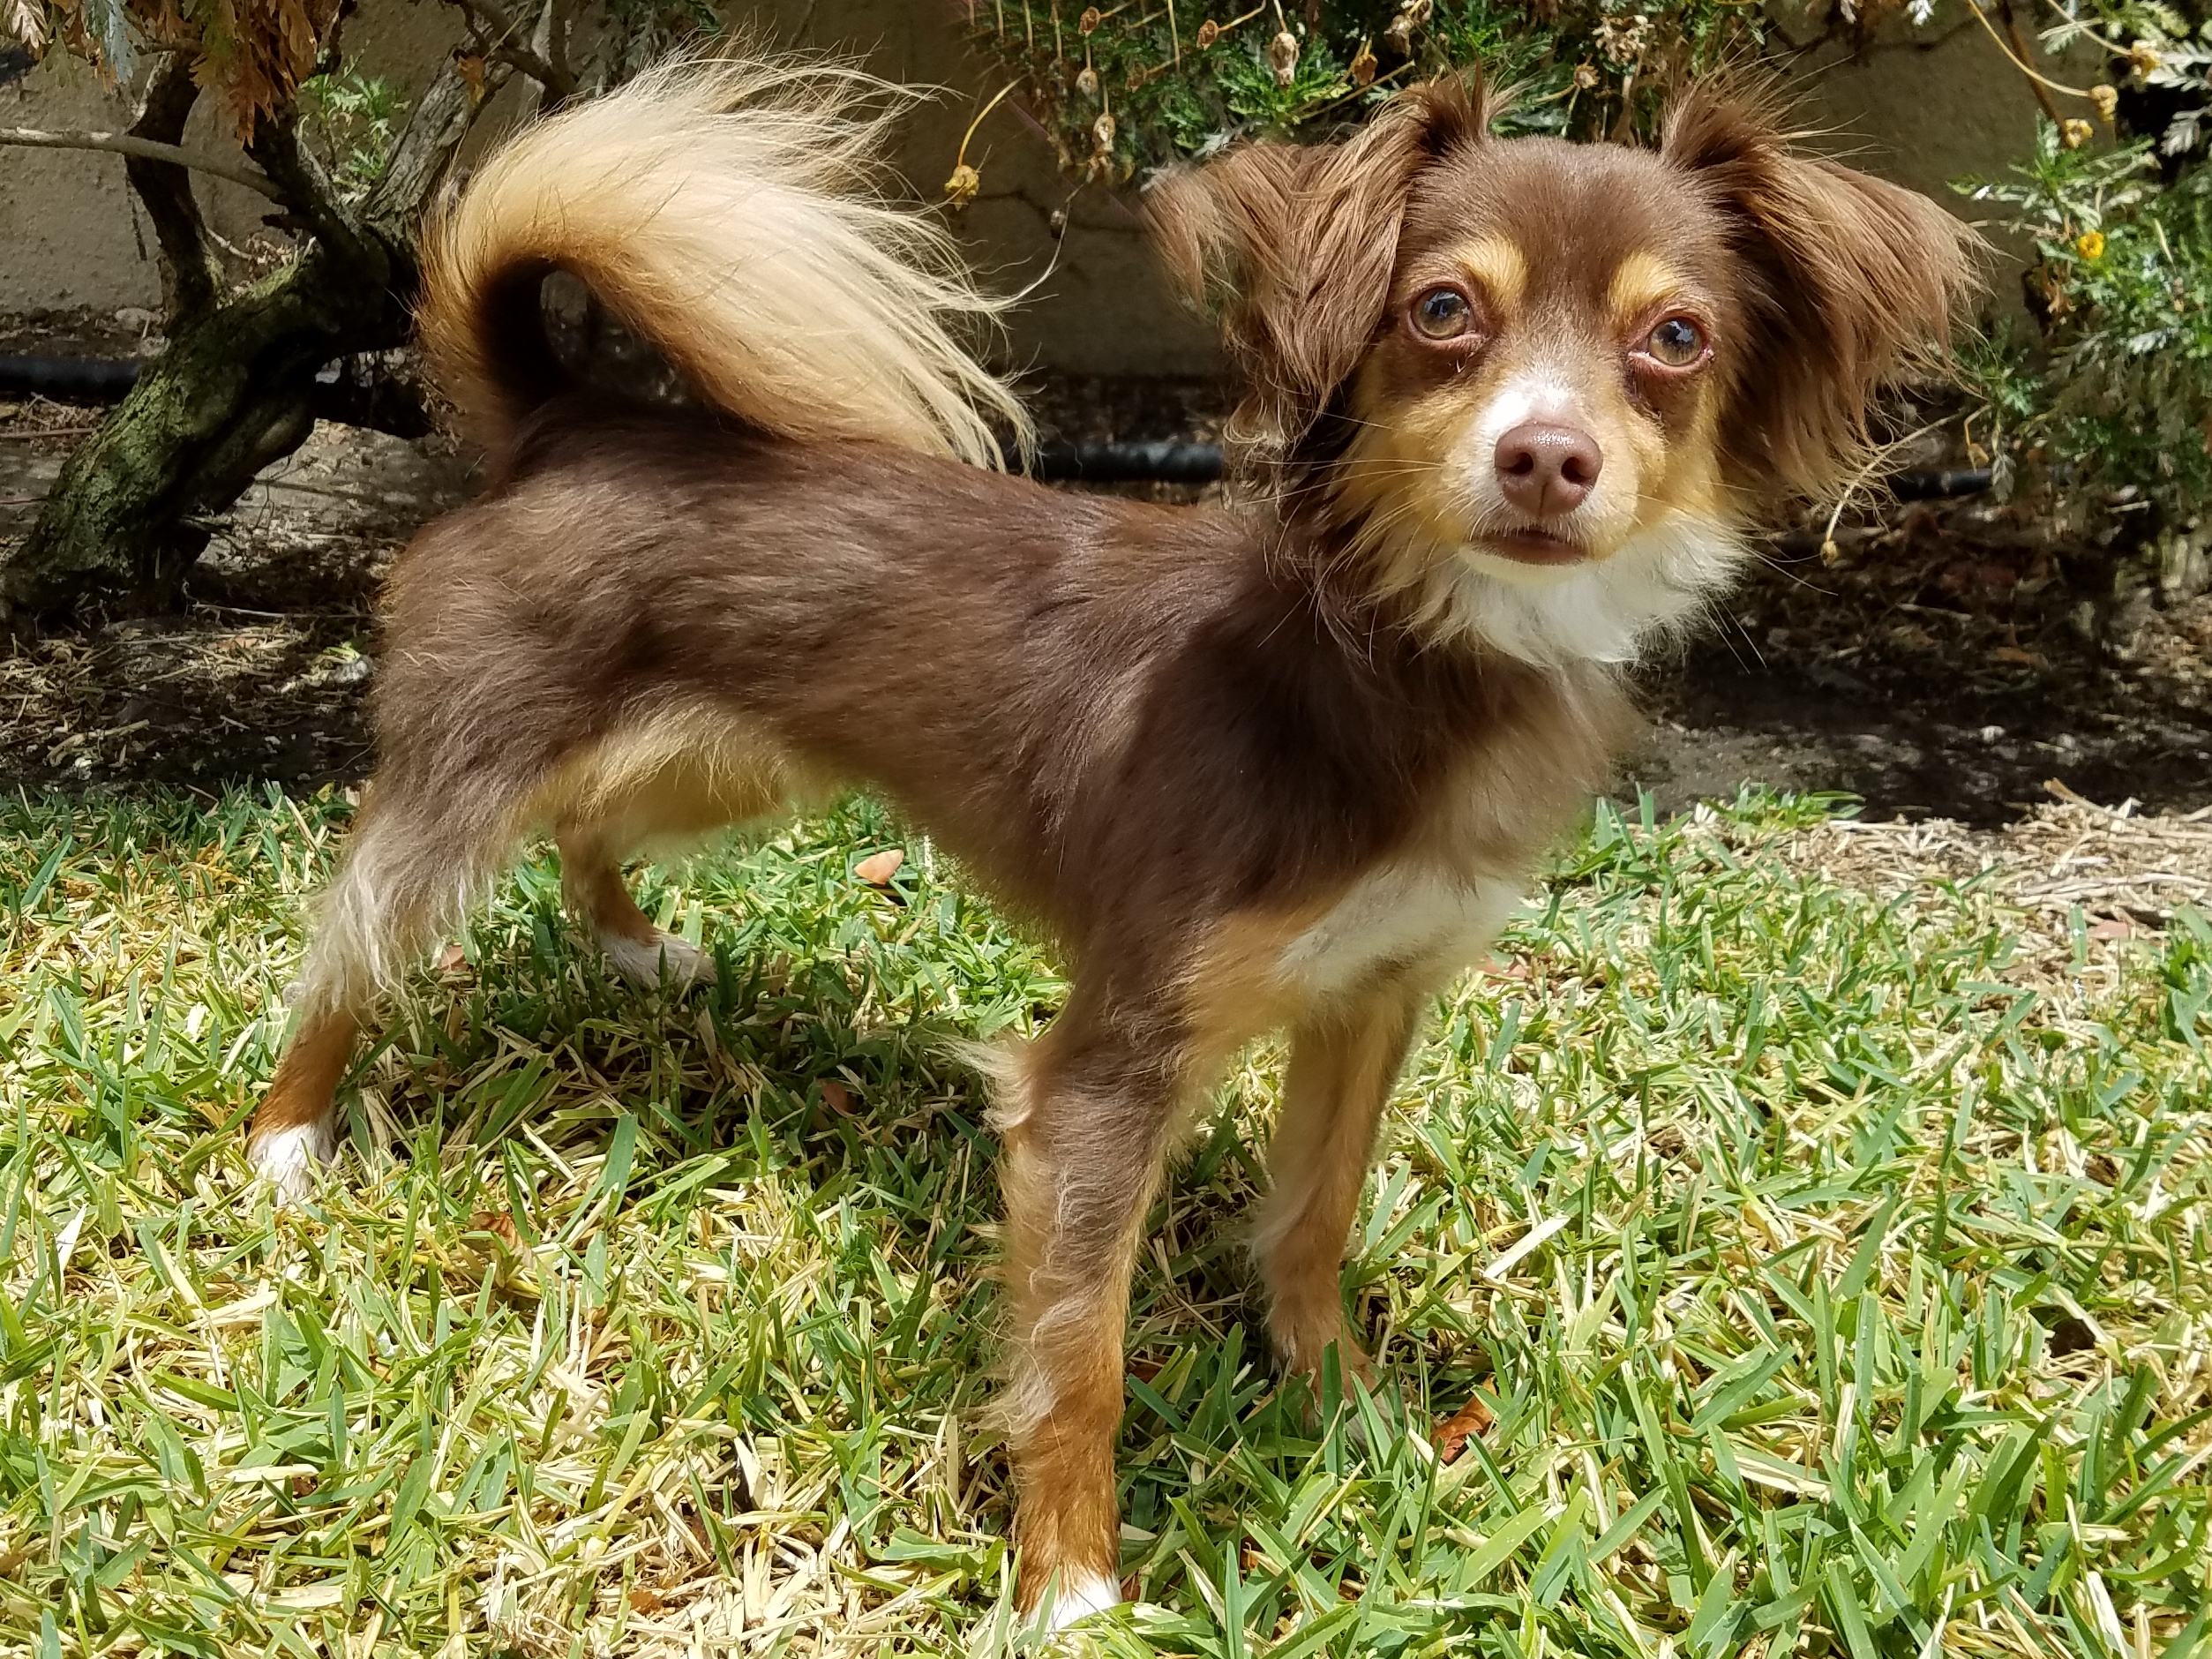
(1854, 283)
(1293, 246)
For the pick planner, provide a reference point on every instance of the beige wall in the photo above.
(69, 236)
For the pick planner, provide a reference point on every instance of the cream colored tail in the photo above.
(724, 211)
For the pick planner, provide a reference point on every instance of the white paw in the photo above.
(288, 1159)
(685, 964)
(1081, 1595)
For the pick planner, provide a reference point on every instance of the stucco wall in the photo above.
(1920, 111)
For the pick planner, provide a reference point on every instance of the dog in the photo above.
(1514, 409)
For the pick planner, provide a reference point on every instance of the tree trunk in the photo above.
(235, 389)
(134, 506)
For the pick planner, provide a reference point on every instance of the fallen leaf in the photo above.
(837, 1097)
(2024, 659)
(645, 1601)
(2112, 928)
(453, 958)
(500, 1225)
(1454, 1433)
(878, 868)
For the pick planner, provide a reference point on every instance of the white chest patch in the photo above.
(1418, 917)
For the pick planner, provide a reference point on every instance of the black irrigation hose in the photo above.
(1174, 461)
(1156, 460)
(67, 379)
(1161, 461)
(1941, 484)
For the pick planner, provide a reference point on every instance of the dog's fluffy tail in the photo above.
(724, 211)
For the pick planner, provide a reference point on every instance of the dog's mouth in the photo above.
(1529, 545)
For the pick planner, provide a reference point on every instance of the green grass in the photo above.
(1838, 1284)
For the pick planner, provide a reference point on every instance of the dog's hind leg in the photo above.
(412, 865)
(591, 880)
(1342, 1065)
(295, 1128)
(674, 777)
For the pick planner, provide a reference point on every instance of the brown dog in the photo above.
(1513, 403)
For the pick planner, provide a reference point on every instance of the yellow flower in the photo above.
(2090, 245)
(2075, 134)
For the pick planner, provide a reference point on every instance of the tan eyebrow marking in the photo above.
(1497, 263)
(1640, 282)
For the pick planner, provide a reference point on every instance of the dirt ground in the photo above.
(1935, 668)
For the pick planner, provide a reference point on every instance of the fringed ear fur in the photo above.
(1292, 247)
(1854, 283)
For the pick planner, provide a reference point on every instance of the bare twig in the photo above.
(148, 149)
(2038, 80)
(504, 41)
(2020, 55)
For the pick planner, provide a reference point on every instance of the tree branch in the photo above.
(305, 187)
(504, 41)
(149, 149)
(191, 276)
(440, 120)
(549, 39)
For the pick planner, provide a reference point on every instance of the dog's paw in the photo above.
(1304, 1348)
(1079, 1596)
(684, 964)
(289, 1159)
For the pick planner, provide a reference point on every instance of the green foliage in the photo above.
(352, 119)
(2166, 54)
(639, 33)
(2115, 405)
(1835, 1270)
(2112, 403)
(1146, 83)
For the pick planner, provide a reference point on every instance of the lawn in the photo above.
(1820, 1273)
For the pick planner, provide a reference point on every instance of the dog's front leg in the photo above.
(1085, 1123)
(1342, 1064)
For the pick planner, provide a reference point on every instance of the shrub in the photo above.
(2107, 405)
(1124, 88)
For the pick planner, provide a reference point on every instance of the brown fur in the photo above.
(1242, 764)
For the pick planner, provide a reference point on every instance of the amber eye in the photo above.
(1677, 343)
(1442, 313)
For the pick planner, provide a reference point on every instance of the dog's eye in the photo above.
(1677, 342)
(1442, 313)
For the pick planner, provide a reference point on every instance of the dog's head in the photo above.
(1539, 388)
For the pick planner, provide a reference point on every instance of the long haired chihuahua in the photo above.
(1514, 407)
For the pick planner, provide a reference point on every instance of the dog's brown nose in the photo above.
(1546, 471)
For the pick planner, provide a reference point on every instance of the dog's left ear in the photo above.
(1855, 284)
(1293, 246)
